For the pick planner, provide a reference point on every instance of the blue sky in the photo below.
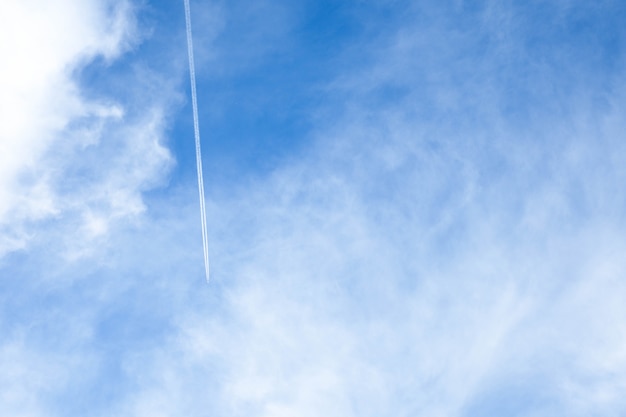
(415, 208)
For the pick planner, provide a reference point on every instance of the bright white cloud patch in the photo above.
(45, 44)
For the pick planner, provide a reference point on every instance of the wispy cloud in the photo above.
(61, 149)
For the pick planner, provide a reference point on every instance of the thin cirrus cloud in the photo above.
(450, 244)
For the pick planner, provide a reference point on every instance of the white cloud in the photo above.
(48, 123)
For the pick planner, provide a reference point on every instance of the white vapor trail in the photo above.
(196, 128)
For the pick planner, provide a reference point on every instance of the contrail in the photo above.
(196, 128)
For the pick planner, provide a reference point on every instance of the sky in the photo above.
(415, 208)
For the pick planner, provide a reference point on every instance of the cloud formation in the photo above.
(50, 125)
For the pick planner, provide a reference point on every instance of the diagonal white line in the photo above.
(196, 128)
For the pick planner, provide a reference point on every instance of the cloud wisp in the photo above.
(52, 128)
